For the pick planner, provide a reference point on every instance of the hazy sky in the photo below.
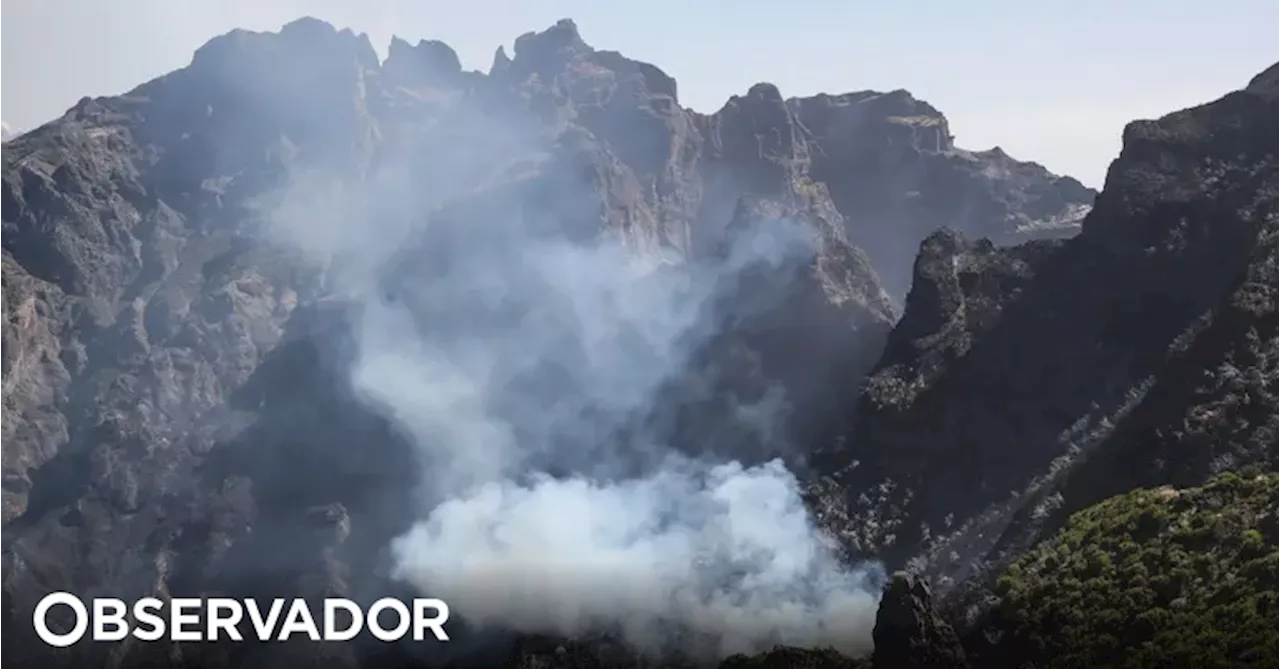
(1048, 80)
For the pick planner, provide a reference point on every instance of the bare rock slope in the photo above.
(1024, 384)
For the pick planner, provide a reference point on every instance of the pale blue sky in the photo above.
(1049, 80)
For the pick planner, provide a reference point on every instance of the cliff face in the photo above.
(179, 417)
(895, 172)
(1024, 384)
(176, 394)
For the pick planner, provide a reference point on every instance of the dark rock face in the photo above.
(909, 633)
(799, 343)
(426, 65)
(1024, 384)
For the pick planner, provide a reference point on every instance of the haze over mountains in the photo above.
(621, 381)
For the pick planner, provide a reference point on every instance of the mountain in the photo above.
(266, 314)
(1024, 384)
(236, 297)
(890, 163)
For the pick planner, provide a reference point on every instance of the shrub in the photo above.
(1153, 578)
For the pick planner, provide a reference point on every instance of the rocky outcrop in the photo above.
(910, 634)
(428, 65)
(691, 168)
(753, 145)
(1023, 384)
(628, 106)
(835, 304)
(895, 173)
(891, 169)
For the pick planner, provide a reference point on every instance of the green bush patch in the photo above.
(1153, 578)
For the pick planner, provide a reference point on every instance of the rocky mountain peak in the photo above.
(561, 35)
(501, 61)
(758, 143)
(551, 48)
(308, 28)
(888, 156)
(1225, 132)
(288, 100)
(430, 62)
(306, 82)
(764, 93)
(1265, 83)
(305, 37)
(757, 134)
(834, 118)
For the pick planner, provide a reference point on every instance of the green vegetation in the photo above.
(1153, 578)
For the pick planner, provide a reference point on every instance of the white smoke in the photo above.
(520, 366)
(723, 551)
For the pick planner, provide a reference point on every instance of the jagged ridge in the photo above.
(159, 365)
(1024, 384)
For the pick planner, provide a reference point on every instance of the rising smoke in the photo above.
(524, 367)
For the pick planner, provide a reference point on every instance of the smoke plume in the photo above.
(525, 368)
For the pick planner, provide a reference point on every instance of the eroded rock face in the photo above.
(892, 167)
(909, 633)
(1023, 384)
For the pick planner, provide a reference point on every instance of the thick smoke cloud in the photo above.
(525, 368)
